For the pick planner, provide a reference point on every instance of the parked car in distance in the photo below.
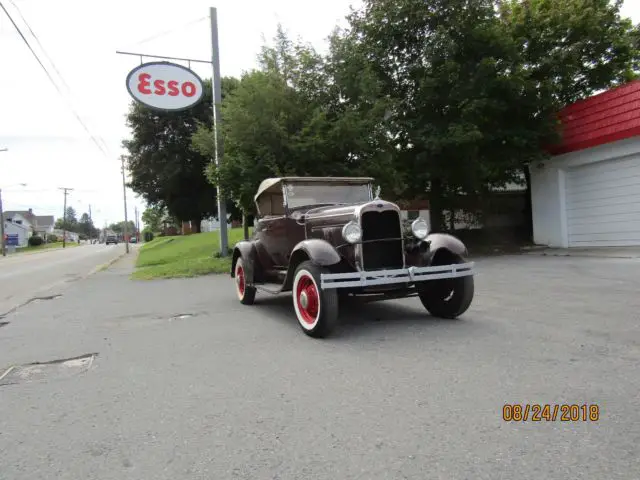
(111, 239)
(322, 238)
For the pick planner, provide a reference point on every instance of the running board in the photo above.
(272, 288)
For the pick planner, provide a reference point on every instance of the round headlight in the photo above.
(352, 232)
(420, 228)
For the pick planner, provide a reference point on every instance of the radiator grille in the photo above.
(378, 252)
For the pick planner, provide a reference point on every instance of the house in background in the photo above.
(17, 228)
(44, 225)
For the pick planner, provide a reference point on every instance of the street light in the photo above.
(2, 240)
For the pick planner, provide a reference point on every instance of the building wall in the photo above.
(23, 232)
(548, 188)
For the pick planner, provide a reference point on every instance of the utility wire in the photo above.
(167, 32)
(93, 138)
(40, 44)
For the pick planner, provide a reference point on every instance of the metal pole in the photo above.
(217, 120)
(4, 247)
(124, 191)
(64, 218)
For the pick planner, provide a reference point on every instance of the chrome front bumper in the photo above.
(402, 275)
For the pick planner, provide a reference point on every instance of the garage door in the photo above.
(603, 203)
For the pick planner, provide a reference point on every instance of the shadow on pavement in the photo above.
(366, 319)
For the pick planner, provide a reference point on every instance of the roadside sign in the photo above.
(12, 239)
(165, 86)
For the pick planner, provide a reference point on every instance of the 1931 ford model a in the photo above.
(324, 237)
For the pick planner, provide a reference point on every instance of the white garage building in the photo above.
(588, 193)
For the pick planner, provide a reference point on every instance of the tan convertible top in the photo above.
(273, 185)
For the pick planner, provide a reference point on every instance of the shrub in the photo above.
(35, 241)
(52, 238)
(147, 236)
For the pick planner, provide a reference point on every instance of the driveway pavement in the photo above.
(24, 276)
(238, 392)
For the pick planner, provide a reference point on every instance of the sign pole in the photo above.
(217, 120)
(4, 247)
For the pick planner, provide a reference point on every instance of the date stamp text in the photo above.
(534, 412)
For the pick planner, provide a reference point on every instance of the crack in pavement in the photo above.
(32, 299)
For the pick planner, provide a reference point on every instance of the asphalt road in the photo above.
(27, 275)
(237, 392)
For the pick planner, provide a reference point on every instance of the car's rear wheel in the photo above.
(316, 309)
(246, 293)
(448, 297)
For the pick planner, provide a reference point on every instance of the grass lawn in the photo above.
(45, 246)
(184, 256)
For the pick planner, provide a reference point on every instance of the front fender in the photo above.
(442, 240)
(318, 251)
(246, 250)
(437, 249)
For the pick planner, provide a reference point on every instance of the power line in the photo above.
(40, 44)
(167, 32)
(24, 39)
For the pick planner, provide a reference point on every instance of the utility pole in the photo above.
(64, 217)
(4, 246)
(2, 242)
(124, 193)
(135, 220)
(217, 120)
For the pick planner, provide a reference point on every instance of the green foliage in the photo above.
(35, 241)
(152, 218)
(69, 221)
(52, 238)
(119, 227)
(290, 118)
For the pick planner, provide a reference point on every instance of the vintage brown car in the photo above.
(325, 237)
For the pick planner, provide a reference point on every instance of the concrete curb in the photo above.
(106, 265)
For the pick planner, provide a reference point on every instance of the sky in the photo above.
(48, 148)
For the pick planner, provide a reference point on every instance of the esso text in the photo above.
(173, 88)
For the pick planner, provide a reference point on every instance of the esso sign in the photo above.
(165, 86)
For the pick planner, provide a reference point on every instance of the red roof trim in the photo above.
(604, 118)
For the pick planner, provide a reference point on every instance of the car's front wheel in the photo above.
(246, 293)
(316, 309)
(448, 297)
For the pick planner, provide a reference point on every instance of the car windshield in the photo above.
(300, 194)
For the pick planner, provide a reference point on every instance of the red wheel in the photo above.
(246, 293)
(316, 309)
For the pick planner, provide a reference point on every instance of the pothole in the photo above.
(4, 324)
(52, 370)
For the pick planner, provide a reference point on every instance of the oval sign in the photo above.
(165, 86)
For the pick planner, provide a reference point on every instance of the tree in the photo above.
(569, 51)
(165, 170)
(286, 118)
(119, 227)
(85, 227)
(475, 88)
(69, 222)
(152, 218)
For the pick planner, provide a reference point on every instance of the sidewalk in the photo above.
(602, 252)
